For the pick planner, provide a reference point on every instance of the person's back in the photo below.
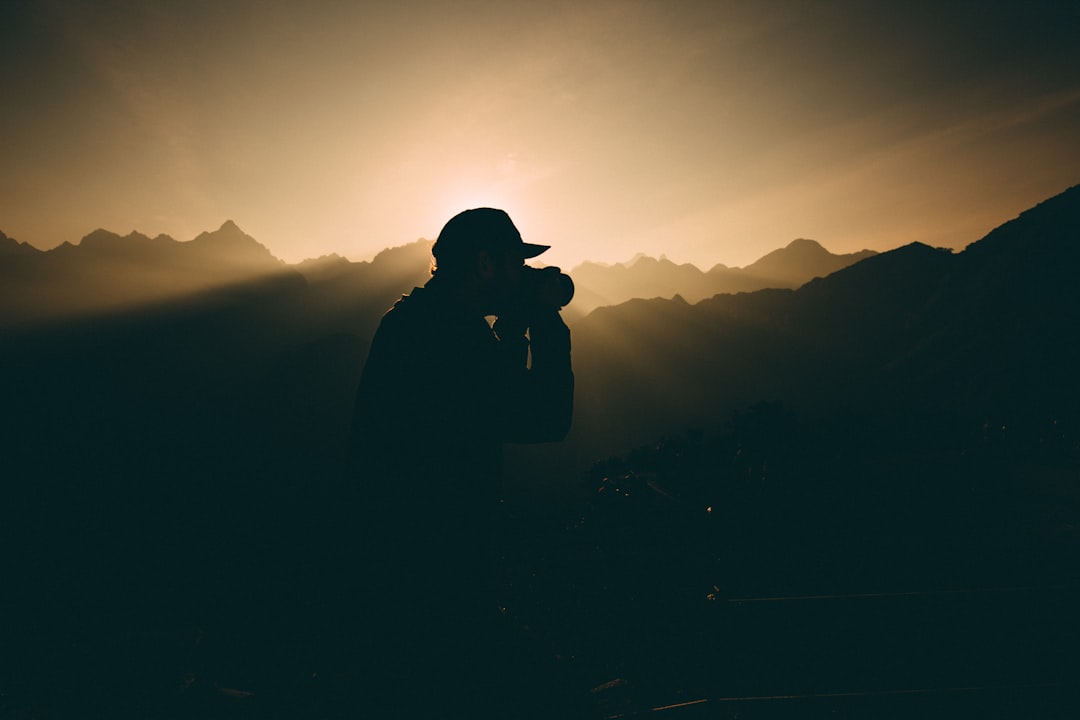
(439, 395)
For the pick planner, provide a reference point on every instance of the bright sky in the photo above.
(710, 131)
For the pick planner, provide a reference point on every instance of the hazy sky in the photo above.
(711, 131)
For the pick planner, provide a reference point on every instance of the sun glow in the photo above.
(708, 132)
(456, 194)
(463, 196)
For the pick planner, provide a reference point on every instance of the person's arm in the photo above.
(538, 396)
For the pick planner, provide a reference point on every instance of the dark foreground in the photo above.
(852, 596)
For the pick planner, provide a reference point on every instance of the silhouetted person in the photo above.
(441, 391)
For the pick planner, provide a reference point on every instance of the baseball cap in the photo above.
(482, 228)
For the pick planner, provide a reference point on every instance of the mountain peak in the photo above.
(802, 258)
(107, 243)
(228, 229)
(98, 236)
(10, 246)
(231, 244)
(805, 244)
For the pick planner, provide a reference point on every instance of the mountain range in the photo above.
(646, 277)
(212, 358)
(108, 273)
(983, 335)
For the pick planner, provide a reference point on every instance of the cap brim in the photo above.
(528, 250)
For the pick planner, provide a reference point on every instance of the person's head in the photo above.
(482, 249)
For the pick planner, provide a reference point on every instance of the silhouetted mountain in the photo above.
(352, 296)
(799, 262)
(980, 335)
(645, 277)
(600, 285)
(211, 344)
(107, 273)
(10, 247)
(230, 246)
(982, 332)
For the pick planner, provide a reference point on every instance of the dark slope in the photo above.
(984, 332)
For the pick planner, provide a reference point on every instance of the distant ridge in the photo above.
(984, 334)
(232, 245)
(107, 272)
(10, 247)
(645, 277)
(801, 261)
(255, 378)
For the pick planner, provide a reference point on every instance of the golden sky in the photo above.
(712, 131)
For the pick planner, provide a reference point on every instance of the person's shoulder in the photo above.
(414, 308)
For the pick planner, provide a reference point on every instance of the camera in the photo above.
(547, 286)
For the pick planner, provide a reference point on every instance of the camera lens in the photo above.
(539, 284)
(567, 286)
